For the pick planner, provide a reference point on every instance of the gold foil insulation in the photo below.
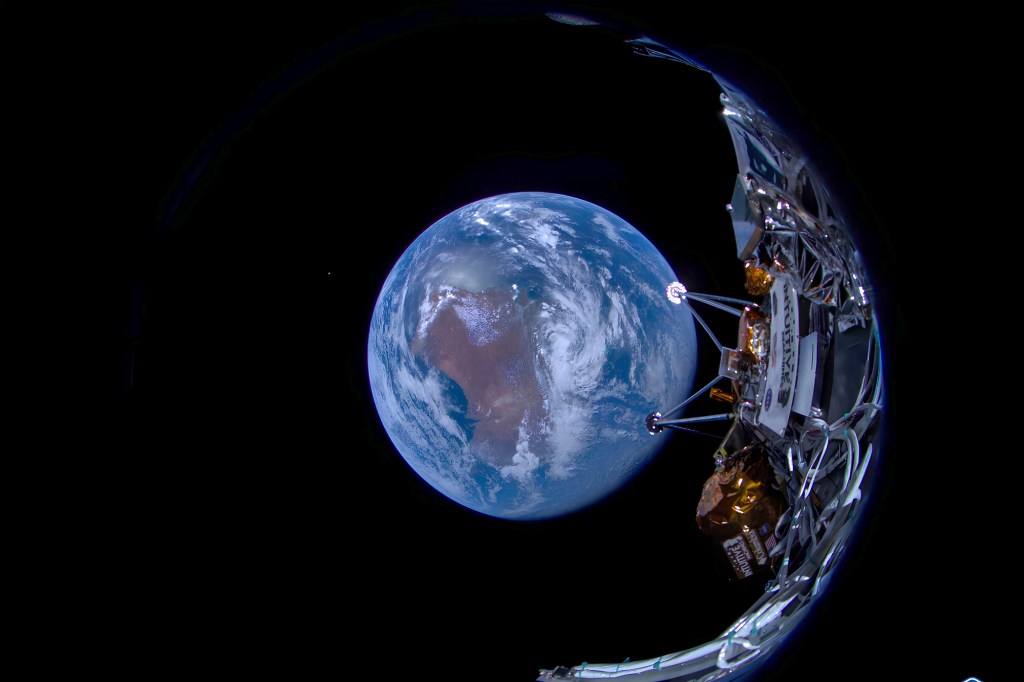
(721, 396)
(759, 281)
(739, 507)
(754, 333)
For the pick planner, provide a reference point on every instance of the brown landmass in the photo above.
(496, 376)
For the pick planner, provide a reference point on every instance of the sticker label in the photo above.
(755, 544)
(782, 358)
(739, 556)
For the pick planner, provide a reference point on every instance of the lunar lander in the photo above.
(802, 389)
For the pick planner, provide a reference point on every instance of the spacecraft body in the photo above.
(805, 395)
(805, 373)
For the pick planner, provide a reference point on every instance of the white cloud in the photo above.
(610, 230)
(524, 462)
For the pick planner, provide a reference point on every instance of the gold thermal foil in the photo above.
(754, 333)
(759, 281)
(739, 507)
(722, 396)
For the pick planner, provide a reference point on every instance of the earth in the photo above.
(516, 348)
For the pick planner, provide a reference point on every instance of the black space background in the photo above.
(195, 478)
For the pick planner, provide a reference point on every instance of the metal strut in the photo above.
(677, 293)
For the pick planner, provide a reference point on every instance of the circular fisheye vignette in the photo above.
(794, 243)
(806, 386)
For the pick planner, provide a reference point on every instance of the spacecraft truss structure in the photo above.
(826, 360)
